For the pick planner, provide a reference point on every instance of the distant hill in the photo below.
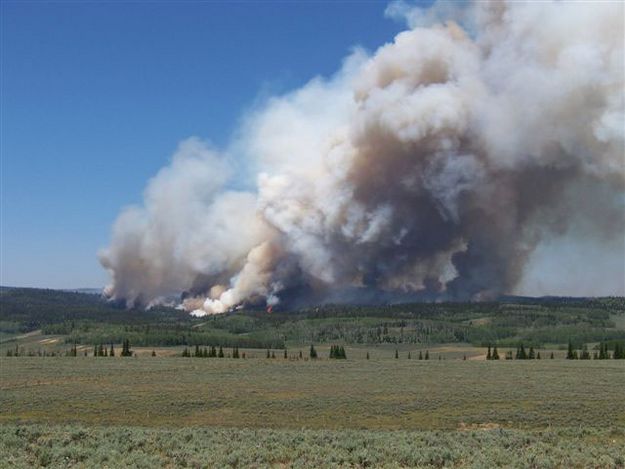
(86, 317)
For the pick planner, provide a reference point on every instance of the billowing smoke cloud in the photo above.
(435, 166)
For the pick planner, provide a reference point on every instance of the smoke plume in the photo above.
(435, 166)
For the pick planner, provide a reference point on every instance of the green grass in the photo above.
(150, 412)
(78, 447)
(352, 394)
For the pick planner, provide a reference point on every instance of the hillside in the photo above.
(87, 319)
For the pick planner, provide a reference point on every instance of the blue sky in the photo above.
(97, 95)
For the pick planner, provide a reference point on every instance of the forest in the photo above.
(83, 318)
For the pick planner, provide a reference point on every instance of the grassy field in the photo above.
(323, 394)
(165, 411)
(124, 447)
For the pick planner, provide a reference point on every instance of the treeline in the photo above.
(88, 319)
(603, 352)
(35, 308)
(99, 350)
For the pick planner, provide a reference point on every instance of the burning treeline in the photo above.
(434, 166)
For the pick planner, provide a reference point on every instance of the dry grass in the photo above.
(325, 394)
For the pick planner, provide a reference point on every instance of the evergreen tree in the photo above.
(585, 355)
(408, 355)
(185, 352)
(396, 353)
(488, 357)
(420, 355)
(313, 352)
(343, 355)
(464, 358)
(221, 352)
(112, 351)
(332, 351)
(301, 355)
(286, 355)
(273, 354)
(197, 351)
(268, 353)
(552, 356)
(532, 354)
(95, 351)
(126, 352)
(213, 351)
(538, 356)
(495, 355)
(367, 355)
(570, 354)
(153, 353)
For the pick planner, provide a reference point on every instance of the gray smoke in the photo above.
(435, 166)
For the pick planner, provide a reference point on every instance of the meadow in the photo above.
(257, 412)
(322, 394)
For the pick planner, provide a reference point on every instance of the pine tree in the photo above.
(126, 352)
(420, 355)
(408, 355)
(396, 353)
(273, 354)
(332, 351)
(268, 353)
(495, 354)
(221, 352)
(367, 355)
(286, 355)
(585, 355)
(488, 357)
(213, 352)
(570, 354)
(552, 356)
(343, 355)
(603, 351)
(112, 351)
(153, 353)
(197, 351)
(313, 352)
(301, 355)
(538, 356)
(532, 354)
(95, 351)
(427, 354)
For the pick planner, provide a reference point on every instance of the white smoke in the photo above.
(435, 166)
